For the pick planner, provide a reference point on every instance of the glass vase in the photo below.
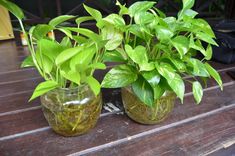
(144, 114)
(71, 112)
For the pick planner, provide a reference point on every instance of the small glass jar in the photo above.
(142, 113)
(71, 112)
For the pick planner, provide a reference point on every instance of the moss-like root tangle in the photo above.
(141, 113)
(74, 119)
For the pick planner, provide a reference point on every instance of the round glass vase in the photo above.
(71, 112)
(144, 114)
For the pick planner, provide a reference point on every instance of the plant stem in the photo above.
(31, 48)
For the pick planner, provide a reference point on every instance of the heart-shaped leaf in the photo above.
(43, 88)
(197, 91)
(120, 76)
(181, 43)
(143, 91)
(94, 84)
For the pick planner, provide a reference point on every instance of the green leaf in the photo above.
(163, 33)
(197, 45)
(98, 65)
(83, 19)
(140, 31)
(60, 19)
(120, 76)
(31, 30)
(43, 88)
(41, 30)
(113, 56)
(114, 37)
(123, 9)
(181, 43)
(214, 74)
(138, 55)
(153, 78)
(66, 43)
(145, 66)
(197, 91)
(94, 85)
(140, 7)
(190, 13)
(13, 8)
(178, 63)
(65, 67)
(173, 79)
(199, 68)
(169, 20)
(44, 62)
(143, 91)
(143, 18)
(67, 54)
(49, 48)
(202, 25)
(204, 37)
(95, 14)
(115, 20)
(84, 57)
(86, 32)
(208, 53)
(28, 62)
(66, 32)
(158, 91)
(72, 76)
(160, 13)
(80, 39)
(188, 4)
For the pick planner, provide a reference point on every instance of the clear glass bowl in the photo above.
(71, 112)
(141, 113)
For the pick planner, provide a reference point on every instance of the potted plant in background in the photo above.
(156, 51)
(70, 95)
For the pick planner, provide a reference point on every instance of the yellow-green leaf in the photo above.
(43, 88)
(197, 91)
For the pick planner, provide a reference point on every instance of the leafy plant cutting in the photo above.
(155, 52)
(70, 95)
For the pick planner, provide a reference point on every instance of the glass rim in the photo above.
(82, 87)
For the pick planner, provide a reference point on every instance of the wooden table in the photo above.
(208, 128)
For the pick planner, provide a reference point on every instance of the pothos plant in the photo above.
(156, 51)
(65, 64)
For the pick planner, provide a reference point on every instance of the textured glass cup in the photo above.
(71, 112)
(141, 113)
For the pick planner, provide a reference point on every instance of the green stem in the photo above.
(30, 46)
(135, 41)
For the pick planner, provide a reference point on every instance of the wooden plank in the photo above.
(12, 55)
(26, 115)
(109, 96)
(18, 100)
(22, 121)
(6, 89)
(199, 137)
(11, 77)
(109, 129)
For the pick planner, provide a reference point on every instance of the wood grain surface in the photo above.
(190, 129)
